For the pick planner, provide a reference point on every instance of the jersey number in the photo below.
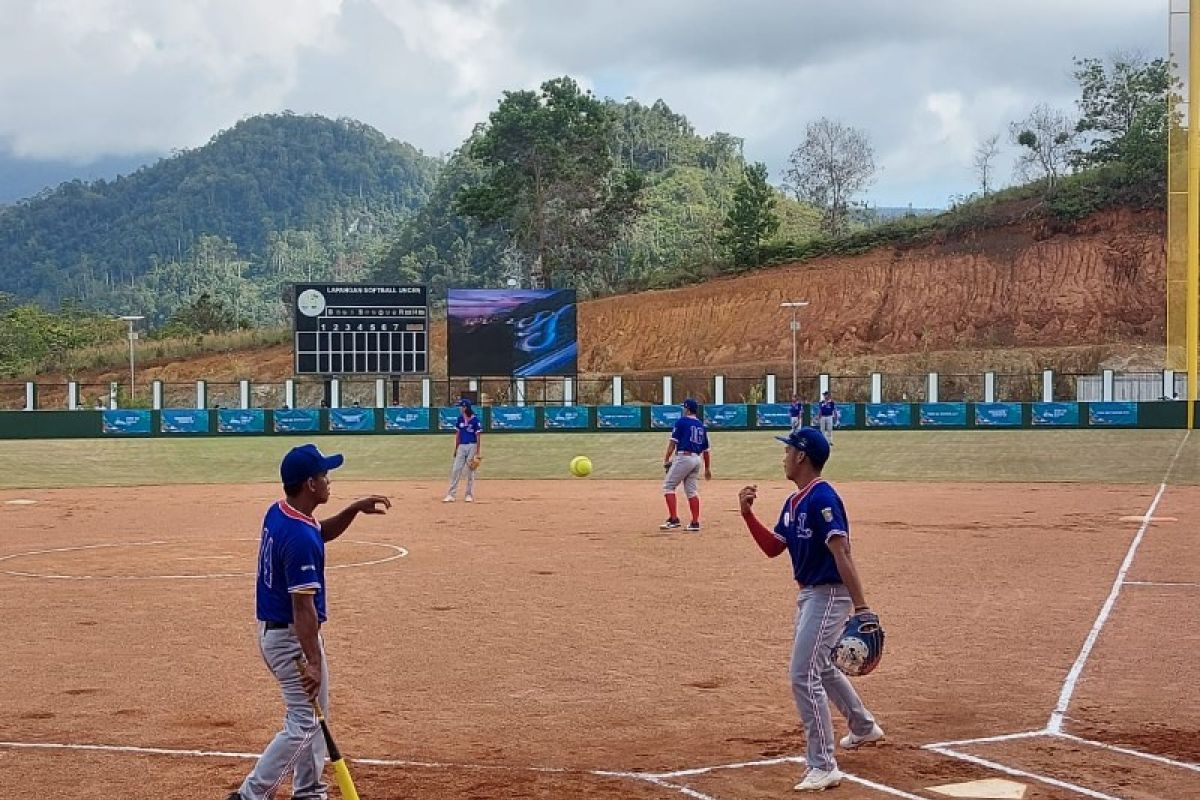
(697, 436)
(264, 566)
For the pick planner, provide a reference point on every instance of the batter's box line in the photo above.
(664, 780)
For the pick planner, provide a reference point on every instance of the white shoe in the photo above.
(818, 780)
(852, 740)
(469, 499)
(448, 498)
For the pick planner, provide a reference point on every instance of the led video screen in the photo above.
(519, 332)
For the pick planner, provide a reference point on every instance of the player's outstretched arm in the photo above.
(765, 539)
(336, 525)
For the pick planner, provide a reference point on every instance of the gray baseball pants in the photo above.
(685, 467)
(461, 456)
(821, 614)
(299, 749)
(826, 426)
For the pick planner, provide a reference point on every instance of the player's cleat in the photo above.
(693, 527)
(469, 499)
(670, 524)
(448, 498)
(234, 796)
(853, 740)
(818, 780)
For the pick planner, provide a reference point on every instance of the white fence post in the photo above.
(1048, 386)
(568, 391)
(244, 393)
(931, 392)
(520, 383)
(289, 393)
(156, 395)
(201, 394)
(335, 393)
(770, 393)
(426, 392)
(30, 396)
(380, 393)
(1106, 390)
(112, 396)
(618, 391)
(876, 387)
(989, 387)
(73, 395)
(823, 383)
(666, 401)
(719, 389)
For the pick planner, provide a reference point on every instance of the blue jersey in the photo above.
(810, 517)
(689, 435)
(468, 429)
(827, 408)
(796, 410)
(291, 558)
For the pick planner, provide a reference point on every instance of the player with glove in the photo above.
(812, 528)
(687, 448)
(468, 451)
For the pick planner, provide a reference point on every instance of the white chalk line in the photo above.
(661, 779)
(397, 553)
(986, 739)
(1130, 752)
(1020, 773)
(1159, 583)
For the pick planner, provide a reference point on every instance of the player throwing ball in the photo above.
(685, 451)
(812, 528)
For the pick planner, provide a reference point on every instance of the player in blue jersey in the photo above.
(685, 451)
(812, 528)
(468, 449)
(291, 609)
(827, 416)
(796, 413)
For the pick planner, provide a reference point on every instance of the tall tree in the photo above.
(1046, 137)
(752, 220)
(985, 162)
(1123, 111)
(833, 163)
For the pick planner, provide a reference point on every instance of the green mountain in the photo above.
(275, 198)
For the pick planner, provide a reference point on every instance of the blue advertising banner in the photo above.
(998, 415)
(889, 415)
(1052, 414)
(619, 417)
(131, 421)
(1112, 414)
(665, 416)
(184, 420)
(448, 417)
(846, 415)
(726, 416)
(943, 415)
(410, 418)
(357, 420)
(241, 420)
(772, 415)
(297, 420)
(513, 418)
(569, 417)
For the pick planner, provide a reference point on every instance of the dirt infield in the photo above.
(549, 642)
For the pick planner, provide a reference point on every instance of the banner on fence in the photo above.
(846, 415)
(297, 420)
(513, 418)
(665, 416)
(998, 415)
(131, 421)
(1055, 414)
(184, 420)
(448, 417)
(943, 415)
(241, 420)
(888, 415)
(1112, 414)
(732, 415)
(355, 420)
(772, 415)
(619, 417)
(565, 417)
(406, 418)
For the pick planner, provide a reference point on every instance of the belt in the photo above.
(276, 626)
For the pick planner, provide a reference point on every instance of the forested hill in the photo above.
(275, 194)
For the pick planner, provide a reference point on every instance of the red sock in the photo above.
(694, 505)
(672, 507)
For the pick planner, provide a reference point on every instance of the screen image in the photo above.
(519, 332)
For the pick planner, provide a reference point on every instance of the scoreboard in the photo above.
(349, 329)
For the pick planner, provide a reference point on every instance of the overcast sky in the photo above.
(926, 79)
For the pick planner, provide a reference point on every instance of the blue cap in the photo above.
(304, 462)
(691, 405)
(464, 403)
(811, 442)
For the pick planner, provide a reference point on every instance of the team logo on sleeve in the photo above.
(827, 513)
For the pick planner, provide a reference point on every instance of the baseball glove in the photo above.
(475, 462)
(861, 647)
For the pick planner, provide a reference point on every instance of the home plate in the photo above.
(20, 502)
(1149, 519)
(990, 789)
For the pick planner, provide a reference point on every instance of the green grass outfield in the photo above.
(1086, 456)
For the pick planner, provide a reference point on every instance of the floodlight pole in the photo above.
(794, 305)
(131, 318)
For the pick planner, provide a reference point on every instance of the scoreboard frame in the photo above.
(360, 329)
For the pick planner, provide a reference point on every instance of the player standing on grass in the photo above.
(812, 528)
(686, 449)
(827, 415)
(468, 449)
(796, 413)
(290, 610)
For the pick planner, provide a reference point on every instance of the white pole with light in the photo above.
(131, 318)
(793, 305)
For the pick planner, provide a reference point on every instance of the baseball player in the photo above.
(812, 528)
(686, 449)
(827, 415)
(796, 413)
(290, 611)
(468, 450)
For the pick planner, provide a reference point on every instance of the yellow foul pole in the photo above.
(1193, 215)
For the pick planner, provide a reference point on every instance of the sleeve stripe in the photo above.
(780, 538)
(832, 534)
(300, 586)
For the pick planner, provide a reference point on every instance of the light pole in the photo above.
(793, 305)
(131, 318)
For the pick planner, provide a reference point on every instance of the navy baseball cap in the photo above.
(304, 462)
(811, 442)
(465, 403)
(691, 405)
